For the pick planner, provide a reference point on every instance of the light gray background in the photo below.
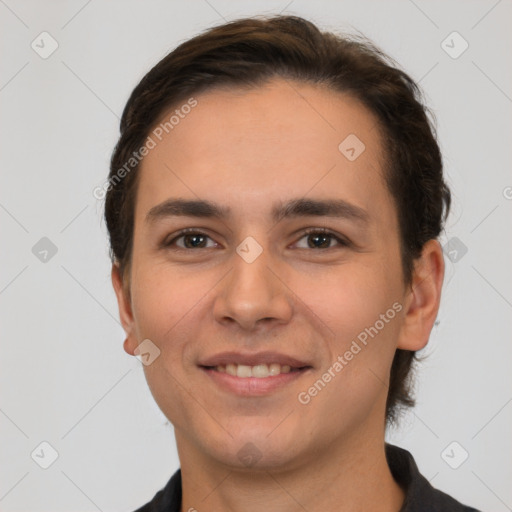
(65, 378)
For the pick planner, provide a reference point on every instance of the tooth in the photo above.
(231, 369)
(260, 370)
(274, 369)
(243, 371)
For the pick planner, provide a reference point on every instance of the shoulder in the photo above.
(420, 496)
(167, 499)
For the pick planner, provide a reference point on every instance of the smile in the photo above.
(253, 381)
(259, 371)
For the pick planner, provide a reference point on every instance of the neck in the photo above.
(351, 475)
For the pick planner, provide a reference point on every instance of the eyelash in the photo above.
(310, 231)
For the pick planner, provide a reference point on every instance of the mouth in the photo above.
(259, 371)
(253, 374)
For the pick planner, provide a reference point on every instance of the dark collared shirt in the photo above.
(420, 496)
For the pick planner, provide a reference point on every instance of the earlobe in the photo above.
(424, 298)
(125, 309)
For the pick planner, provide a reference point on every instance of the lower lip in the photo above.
(253, 386)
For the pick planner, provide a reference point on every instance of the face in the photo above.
(278, 313)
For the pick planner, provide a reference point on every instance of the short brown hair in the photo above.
(251, 51)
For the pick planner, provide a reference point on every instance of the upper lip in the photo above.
(254, 359)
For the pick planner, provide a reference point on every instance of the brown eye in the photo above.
(193, 241)
(322, 239)
(189, 239)
(319, 241)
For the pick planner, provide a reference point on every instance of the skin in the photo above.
(251, 149)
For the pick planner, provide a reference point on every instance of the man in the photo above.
(274, 204)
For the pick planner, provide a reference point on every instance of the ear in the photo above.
(423, 298)
(125, 310)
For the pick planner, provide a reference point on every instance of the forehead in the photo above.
(253, 147)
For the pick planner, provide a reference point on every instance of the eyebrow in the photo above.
(301, 207)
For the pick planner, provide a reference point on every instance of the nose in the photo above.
(253, 294)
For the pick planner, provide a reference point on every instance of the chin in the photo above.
(257, 450)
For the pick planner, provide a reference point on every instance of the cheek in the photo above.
(350, 299)
(164, 304)
(366, 321)
(162, 298)
(357, 305)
